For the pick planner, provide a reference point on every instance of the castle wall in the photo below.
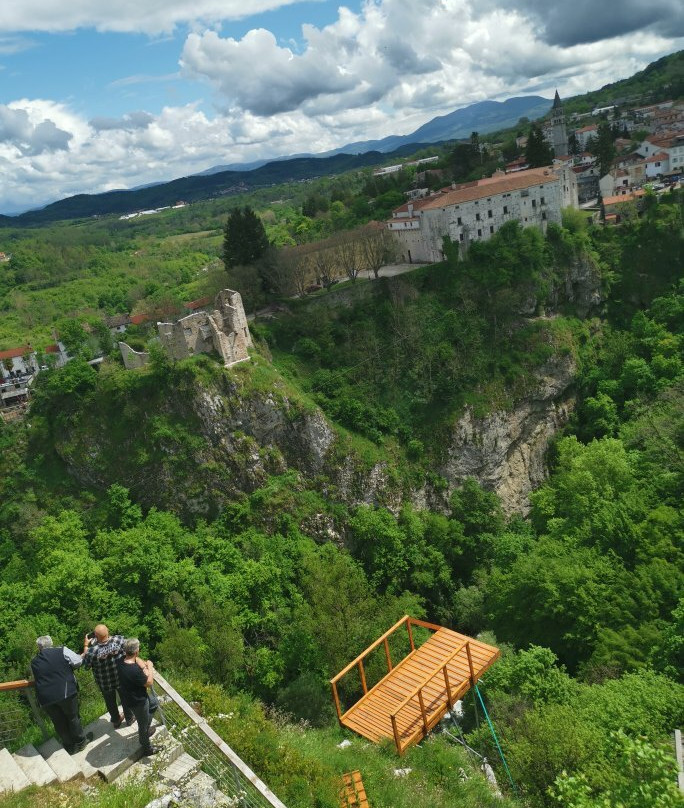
(133, 359)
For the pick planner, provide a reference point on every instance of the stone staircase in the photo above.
(114, 756)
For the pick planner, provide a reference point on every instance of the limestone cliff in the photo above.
(197, 446)
(505, 450)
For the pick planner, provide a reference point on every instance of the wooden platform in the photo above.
(416, 693)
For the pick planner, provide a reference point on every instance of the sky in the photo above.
(96, 96)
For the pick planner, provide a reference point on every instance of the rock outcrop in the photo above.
(505, 450)
(199, 448)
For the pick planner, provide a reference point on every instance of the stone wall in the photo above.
(223, 330)
(133, 359)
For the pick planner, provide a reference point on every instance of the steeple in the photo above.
(560, 135)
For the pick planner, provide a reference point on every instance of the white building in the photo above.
(663, 153)
(476, 210)
(584, 134)
(19, 367)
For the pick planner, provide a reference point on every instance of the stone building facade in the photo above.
(474, 211)
(223, 330)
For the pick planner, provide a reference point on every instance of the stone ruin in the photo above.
(223, 330)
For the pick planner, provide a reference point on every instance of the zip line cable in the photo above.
(496, 740)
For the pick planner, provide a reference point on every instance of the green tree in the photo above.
(603, 147)
(244, 240)
(537, 151)
(648, 779)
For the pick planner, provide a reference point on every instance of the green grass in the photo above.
(442, 774)
(74, 795)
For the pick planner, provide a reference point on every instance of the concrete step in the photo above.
(12, 778)
(147, 768)
(34, 766)
(112, 751)
(60, 761)
(183, 769)
(201, 791)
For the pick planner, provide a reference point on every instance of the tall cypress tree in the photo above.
(537, 152)
(244, 238)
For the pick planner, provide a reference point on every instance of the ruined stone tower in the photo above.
(224, 330)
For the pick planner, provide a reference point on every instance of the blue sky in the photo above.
(95, 96)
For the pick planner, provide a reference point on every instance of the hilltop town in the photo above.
(603, 162)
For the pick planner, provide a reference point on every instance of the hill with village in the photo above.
(384, 469)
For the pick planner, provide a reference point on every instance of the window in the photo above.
(477, 217)
(505, 208)
(543, 201)
(491, 228)
(489, 214)
(534, 203)
(544, 214)
(459, 220)
(479, 232)
(525, 192)
(461, 237)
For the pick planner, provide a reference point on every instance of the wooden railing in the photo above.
(19, 684)
(383, 640)
(418, 691)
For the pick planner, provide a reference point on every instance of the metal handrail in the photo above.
(243, 775)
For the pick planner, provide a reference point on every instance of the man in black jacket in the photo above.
(57, 691)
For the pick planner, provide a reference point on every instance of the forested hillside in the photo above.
(258, 527)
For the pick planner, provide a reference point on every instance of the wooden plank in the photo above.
(18, 685)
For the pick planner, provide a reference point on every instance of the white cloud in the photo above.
(384, 70)
(23, 133)
(427, 54)
(150, 16)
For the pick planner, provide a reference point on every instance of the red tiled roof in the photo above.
(491, 186)
(615, 200)
(52, 348)
(197, 304)
(417, 204)
(11, 353)
(138, 319)
(591, 128)
(659, 157)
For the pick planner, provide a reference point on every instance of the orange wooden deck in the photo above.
(417, 692)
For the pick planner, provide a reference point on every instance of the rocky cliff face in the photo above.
(505, 451)
(199, 449)
(580, 286)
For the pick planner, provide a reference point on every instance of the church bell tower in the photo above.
(560, 134)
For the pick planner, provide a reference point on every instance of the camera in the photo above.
(90, 635)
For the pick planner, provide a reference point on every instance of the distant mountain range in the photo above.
(485, 116)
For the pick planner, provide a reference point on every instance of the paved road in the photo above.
(388, 271)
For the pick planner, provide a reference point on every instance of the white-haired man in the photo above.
(135, 676)
(57, 691)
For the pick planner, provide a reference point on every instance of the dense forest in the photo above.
(250, 607)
